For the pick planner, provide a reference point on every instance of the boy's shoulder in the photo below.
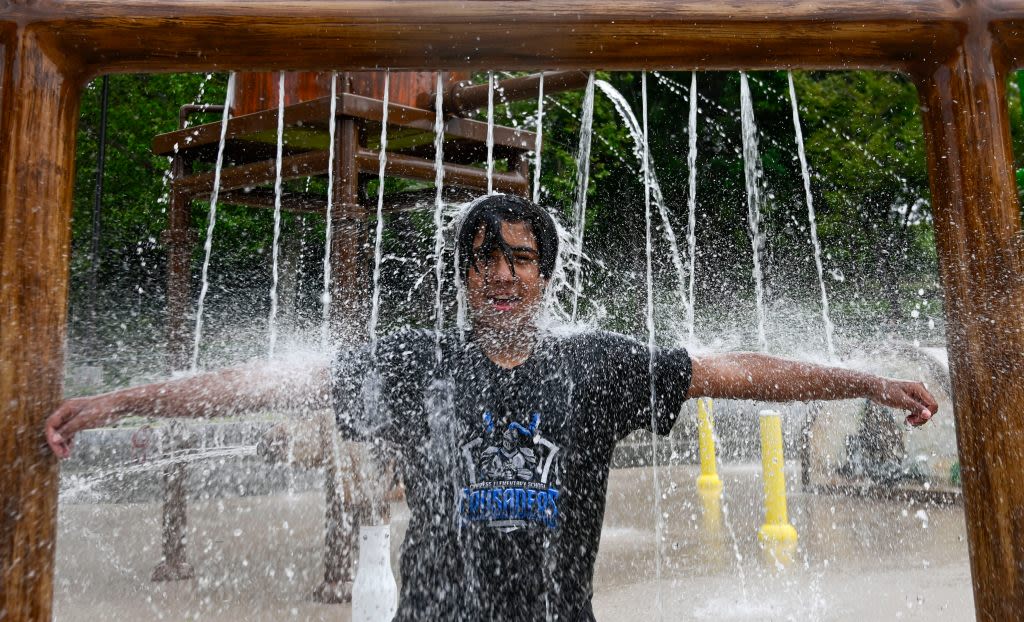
(594, 340)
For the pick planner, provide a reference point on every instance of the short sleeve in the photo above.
(353, 395)
(374, 395)
(627, 372)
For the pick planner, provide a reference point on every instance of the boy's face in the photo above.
(498, 298)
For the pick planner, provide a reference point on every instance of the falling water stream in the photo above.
(579, 209)
(490, 132)
(212, 221)
(332, 124)
(636, 132)
(540, 139)
(439, 216)
(811, 219)
(752, 177)
(651, 342)
(272, 320)
(691, 204)
(461, 310)
(651, 190)
(379, 238)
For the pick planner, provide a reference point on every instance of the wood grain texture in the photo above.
(38, 115)
(146, 35)
(981, 258)
(179, 239)
(256, 91)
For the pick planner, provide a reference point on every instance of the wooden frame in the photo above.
(957, 51)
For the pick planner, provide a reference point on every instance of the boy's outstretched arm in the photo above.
(213, 394)
(752, 376)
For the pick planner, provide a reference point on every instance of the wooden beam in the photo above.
(314, 163)
(38, 117)
(464, 96)
(315, 114)
(307, 164)
(178, 35)
(411, 167)
(424, 199)
(981, 258)
(294, 202)
(418, 118)
(308, 203)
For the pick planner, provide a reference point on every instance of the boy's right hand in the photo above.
(73, 415)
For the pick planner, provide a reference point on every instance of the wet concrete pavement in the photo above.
(259, 558)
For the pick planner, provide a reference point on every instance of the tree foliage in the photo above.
(863, 140)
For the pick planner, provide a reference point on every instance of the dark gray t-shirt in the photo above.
(506, 470)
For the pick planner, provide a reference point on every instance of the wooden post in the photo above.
(38, 117)
(981, 257)
(348, 294)
(339, 537)
(179, 239)
(174, 564)
(348, 269)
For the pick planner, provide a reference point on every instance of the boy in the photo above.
(504, 434)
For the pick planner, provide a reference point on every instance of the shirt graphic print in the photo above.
(512, 475)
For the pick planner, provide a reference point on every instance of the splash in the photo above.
(658, 527)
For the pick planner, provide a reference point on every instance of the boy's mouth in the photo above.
(504, 303)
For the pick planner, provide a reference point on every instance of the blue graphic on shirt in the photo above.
(510, 475)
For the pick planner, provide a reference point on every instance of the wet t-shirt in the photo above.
(506, 470)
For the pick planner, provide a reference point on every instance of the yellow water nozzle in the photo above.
(708, 480)
(776, 527)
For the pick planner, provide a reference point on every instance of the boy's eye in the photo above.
(518, 259)
(483, 258)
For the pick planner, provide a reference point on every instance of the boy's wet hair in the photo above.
(488, 213)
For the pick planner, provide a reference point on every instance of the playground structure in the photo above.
(958, 54)
(251, 137)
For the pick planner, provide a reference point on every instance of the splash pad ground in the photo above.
(259, 557)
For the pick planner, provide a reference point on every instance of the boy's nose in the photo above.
(501, 270)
